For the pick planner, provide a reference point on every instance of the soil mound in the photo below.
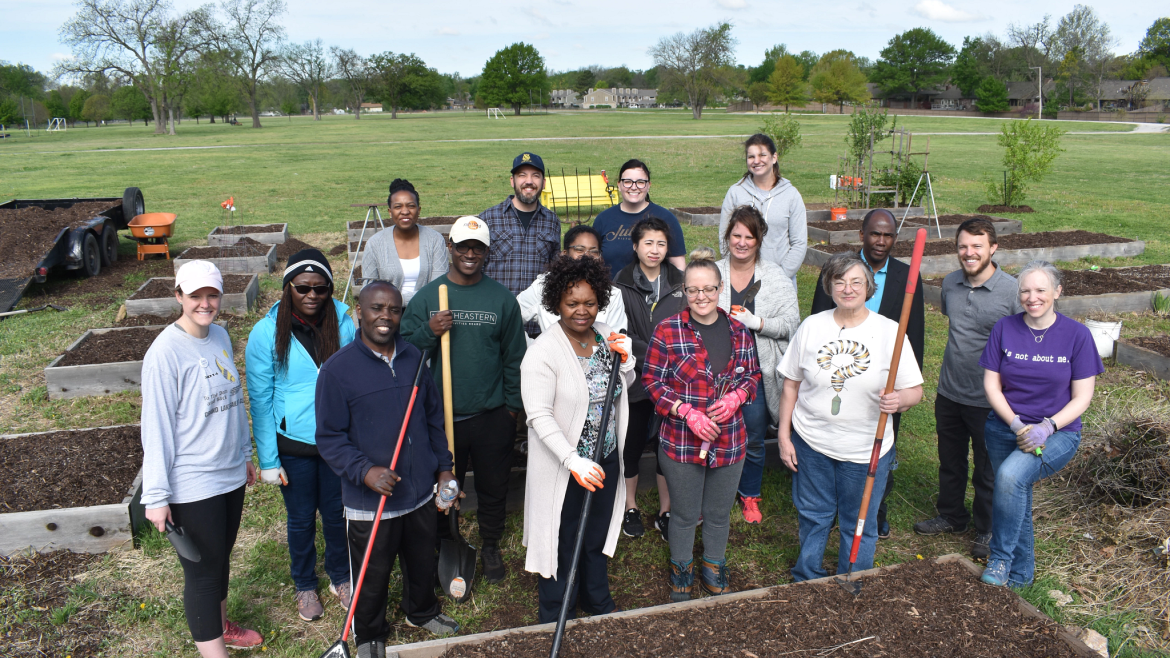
(73, 468)
(27, 234)
(252, 228)
(987, 207)
(905, 248)
(1159, 344)
(243, 248)
(290, 247)
(111, 347)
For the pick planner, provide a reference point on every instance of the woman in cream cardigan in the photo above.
(564, 380)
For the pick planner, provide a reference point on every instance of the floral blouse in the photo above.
(597, 369)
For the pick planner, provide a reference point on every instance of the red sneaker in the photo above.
(236, 637)
(751, 509)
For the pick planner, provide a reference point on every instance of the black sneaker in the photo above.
(883, 529)
(981, 547)
(662, 524)
(937, 526)
(632, 524)
(493, 564)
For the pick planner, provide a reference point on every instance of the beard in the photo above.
(526, 199)
(980, 269)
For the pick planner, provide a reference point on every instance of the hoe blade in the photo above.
(851, 586)
(340, 649)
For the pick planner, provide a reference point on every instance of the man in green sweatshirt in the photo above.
(487, 346)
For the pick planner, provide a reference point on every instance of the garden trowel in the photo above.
(182, 543)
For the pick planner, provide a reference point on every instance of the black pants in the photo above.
(957, 424)
(592, 586)
(411, 539)
(488, 440)
(638, 432)
(212, 524)
(882, 506)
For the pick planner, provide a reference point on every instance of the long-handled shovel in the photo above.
(572, 579)
(850, 586)
(456, 557)
(340, 649)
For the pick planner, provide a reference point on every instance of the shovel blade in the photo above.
(456, 567)
(339, 649)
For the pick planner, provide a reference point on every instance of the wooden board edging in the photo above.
(1003, 226)
(236, 264)
(215, 239)
(237, 302)
(1142, 358)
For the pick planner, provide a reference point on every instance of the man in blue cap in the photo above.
(526, 236)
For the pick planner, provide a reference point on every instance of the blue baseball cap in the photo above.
(527, 158)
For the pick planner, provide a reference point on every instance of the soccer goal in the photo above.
(56, 124)
(495, 113)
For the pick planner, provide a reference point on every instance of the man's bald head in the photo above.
(380, 310)
(378, 286)
(877, 213)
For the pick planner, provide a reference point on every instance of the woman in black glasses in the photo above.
(615, 224)
(284, 352)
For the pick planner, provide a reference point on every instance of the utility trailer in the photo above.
(85, 248)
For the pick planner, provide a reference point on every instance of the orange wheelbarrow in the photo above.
(151, 231)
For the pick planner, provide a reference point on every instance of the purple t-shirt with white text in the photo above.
(1036, 377)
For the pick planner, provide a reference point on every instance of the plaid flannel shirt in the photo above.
(677, 369)
(516, 257)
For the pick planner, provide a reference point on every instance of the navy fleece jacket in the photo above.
(361, 402)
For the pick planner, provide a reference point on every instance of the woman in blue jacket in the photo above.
(285, 351)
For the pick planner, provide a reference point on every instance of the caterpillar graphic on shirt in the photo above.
(845, 358)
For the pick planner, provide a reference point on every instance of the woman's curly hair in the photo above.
(566, 271)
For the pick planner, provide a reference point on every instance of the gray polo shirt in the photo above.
(972, 313)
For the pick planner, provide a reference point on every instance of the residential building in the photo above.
(564, 98)
(371, 107)
(620, 97)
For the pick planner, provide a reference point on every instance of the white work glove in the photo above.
(751, 321)
(622, 344)
(274, 476)
(587, 473)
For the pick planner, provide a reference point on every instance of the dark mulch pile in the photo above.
(702, 210)
(290, 247)
(243, 248)
(147, 320)
(338, 250)
(111, 347)
(1016, 241)
(1159, 344)
(73, 468)
(920, 609)
(165, 286)
(437, 221)
(855, 224)
(27, 234)
(249, 228)
(987, 207)
(105, 288)
(31, 589)
(372, 226)
(1108, 280)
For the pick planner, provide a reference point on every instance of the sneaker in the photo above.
(981, 547)
(235, 637)
(662, 525)
(937, 526)
(682, 580)
(375, 649)
(883, 529)
(751, 509)
(996, 573)
(632, 524)
(493, 565)
(440, 625)
(309, 606)
(714, 576)
(344, 594)
(699, 522)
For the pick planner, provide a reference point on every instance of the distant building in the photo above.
(620, 97)
(371, 107)
(564, 98)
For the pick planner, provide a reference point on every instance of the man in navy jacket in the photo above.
(362, 394)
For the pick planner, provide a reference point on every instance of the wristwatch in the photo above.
(1054, 427)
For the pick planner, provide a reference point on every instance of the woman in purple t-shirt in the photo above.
(1039, 371)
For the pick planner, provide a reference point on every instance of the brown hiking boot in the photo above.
(714, 576)
(682, 580)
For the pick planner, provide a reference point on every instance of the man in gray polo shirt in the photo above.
(974, 298)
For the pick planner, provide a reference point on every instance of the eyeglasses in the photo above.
(582, 249)
(320, 290)
(709, 291)
(463, 248)
(640, 183)
(856, 284)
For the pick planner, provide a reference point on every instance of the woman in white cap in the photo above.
(197, 455)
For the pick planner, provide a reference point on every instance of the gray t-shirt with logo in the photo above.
(972, 312)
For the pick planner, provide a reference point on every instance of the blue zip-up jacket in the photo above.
(361, 401)
(283, 396)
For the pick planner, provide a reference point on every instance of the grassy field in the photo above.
(306, 174)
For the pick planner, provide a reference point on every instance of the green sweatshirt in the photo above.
(487, 343)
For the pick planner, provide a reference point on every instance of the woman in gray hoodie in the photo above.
(776, 198)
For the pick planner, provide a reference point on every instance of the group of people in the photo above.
(714, 359)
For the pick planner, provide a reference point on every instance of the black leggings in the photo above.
(212, 525)
(638, 431)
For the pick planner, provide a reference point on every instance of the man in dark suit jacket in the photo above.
(879, 234)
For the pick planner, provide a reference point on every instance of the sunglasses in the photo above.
(320, 290)
(463, 248)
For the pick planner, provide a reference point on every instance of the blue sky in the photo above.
(459, 35)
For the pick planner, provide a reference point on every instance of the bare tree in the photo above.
(250, 39)
(307, 66)
(178, 42)
(356, 71)
(1035, 43)
(697, 63)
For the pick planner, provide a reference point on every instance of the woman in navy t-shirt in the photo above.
(1039, 371)
(616, 223)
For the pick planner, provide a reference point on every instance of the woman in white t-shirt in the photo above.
(834, 374)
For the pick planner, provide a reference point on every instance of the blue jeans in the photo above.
(1015, 473)
(312, 487)
(755, 417)
(823, 489)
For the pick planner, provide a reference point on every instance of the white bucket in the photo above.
(1104, 333)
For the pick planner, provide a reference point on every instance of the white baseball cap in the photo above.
(470, 228)
(198, 274)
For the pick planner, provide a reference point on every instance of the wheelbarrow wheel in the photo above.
(91, 256)
(109, 244)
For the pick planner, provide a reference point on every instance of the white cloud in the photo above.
(732, 4)
(58, 57)
(540, 17)
(937, 10)
(447, 32)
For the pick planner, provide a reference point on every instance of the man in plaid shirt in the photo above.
(526, 236)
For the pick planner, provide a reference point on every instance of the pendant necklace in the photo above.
(1040, 338)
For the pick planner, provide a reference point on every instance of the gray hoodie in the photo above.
(783, 210)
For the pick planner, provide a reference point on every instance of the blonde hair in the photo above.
(703, 257)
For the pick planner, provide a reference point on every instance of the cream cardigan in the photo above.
(555, 399)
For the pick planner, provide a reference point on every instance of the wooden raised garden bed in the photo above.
(1108, 290)
(156, 296)
(846, 232)
(1014, 250)
(223, 236)
(74, 490)
(1150, 354)
(442, 224)
(245, 257)
(698, 216)
(935, 607)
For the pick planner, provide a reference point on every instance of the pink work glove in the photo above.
(726, 406)
(698, 422)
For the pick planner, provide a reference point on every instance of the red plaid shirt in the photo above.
(677, 369)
